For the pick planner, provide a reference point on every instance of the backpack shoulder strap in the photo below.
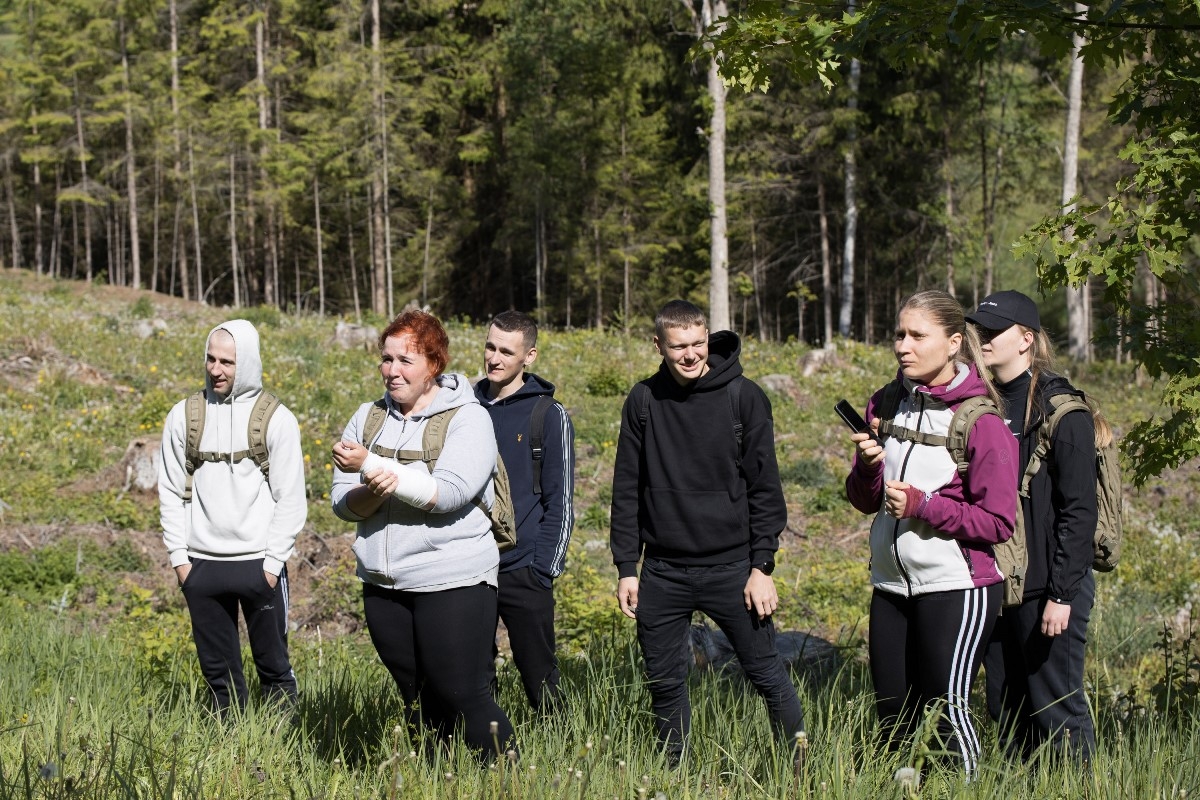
(965, 416)
(641, 394)
(256, 430)
(194, 412)
(889, 404)
(537, 426)
(735, 410)
(433, 439)
(376, 416)
(1059, 405)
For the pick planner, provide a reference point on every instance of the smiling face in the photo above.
(407, 373)
(685, 351)
(924, 351)
(221, 361)
(505, 357)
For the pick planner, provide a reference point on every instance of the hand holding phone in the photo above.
(853, 419)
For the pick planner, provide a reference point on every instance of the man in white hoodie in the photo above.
(229, 539)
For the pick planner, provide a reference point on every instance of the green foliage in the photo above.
(142, 308)
(607, 382)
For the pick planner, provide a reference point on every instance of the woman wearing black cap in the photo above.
(1034, 660)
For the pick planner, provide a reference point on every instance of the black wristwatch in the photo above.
(765, 567)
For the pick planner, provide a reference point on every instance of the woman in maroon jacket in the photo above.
(937, 588)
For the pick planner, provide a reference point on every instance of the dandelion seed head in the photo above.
(908, 779)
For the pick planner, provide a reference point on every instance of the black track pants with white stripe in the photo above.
(925, 653)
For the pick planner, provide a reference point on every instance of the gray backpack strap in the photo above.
(537, 426)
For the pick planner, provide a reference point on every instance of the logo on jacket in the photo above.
(520, 436)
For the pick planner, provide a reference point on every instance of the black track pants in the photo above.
(214, 590)
(925, 651)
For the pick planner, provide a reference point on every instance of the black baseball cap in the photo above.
(1001, 310)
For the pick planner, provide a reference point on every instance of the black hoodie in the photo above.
(679, 493)
(1060, 512)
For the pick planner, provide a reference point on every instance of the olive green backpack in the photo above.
(256, 437)
(502, 515)
(1012, 557)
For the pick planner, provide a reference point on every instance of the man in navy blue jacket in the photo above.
(542, 477)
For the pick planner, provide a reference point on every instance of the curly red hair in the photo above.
(428, 335)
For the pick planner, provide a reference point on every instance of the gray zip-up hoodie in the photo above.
(235, 513)
(402, 547)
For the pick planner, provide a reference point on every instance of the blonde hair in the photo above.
(944, 310)
(1042, 362)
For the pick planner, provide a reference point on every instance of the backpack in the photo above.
(501, 515)
(734, 389)
(256, 437)
(1011, 555)
(537, 424)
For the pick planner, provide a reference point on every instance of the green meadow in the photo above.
(100, 695)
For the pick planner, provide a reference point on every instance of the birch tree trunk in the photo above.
(14, 228)
(1078, 321)
(714, 12)
(851, 178)
(320, 250)
(83, 175)
(826, 268)
(381, 299)
(130, 167)
(718, 292)
(180, 246)
(201, 295)
(233, 248)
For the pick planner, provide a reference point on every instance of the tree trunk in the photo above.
(851, 178)
(353, 265)
(14, 227)
(948, 190)
(130, 167)
(271, 267)
(381, 300)
(1078, 323)
(826, 268)
(37, 208)
(233, 248)
(320, 250)
(425, 259)
(83, 176)
(989, 236)
(180, 247)
(718, 292)
(201, 294)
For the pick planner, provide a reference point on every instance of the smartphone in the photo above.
(852, 418)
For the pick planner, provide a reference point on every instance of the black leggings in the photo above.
(926, 650)
(438, 647)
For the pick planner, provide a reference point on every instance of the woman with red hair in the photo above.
(425, 550)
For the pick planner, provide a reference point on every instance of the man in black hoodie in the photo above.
(541, 474)
(696, 493)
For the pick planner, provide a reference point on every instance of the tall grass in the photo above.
(82, 720)
(100, 695)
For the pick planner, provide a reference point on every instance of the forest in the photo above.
(796, 168)
(351, 156)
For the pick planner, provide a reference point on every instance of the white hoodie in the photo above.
(235, 514)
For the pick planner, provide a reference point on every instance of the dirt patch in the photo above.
(323, 589)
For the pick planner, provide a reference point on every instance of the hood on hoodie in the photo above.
(247, 376)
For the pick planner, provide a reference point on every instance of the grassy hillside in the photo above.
(98, 641)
